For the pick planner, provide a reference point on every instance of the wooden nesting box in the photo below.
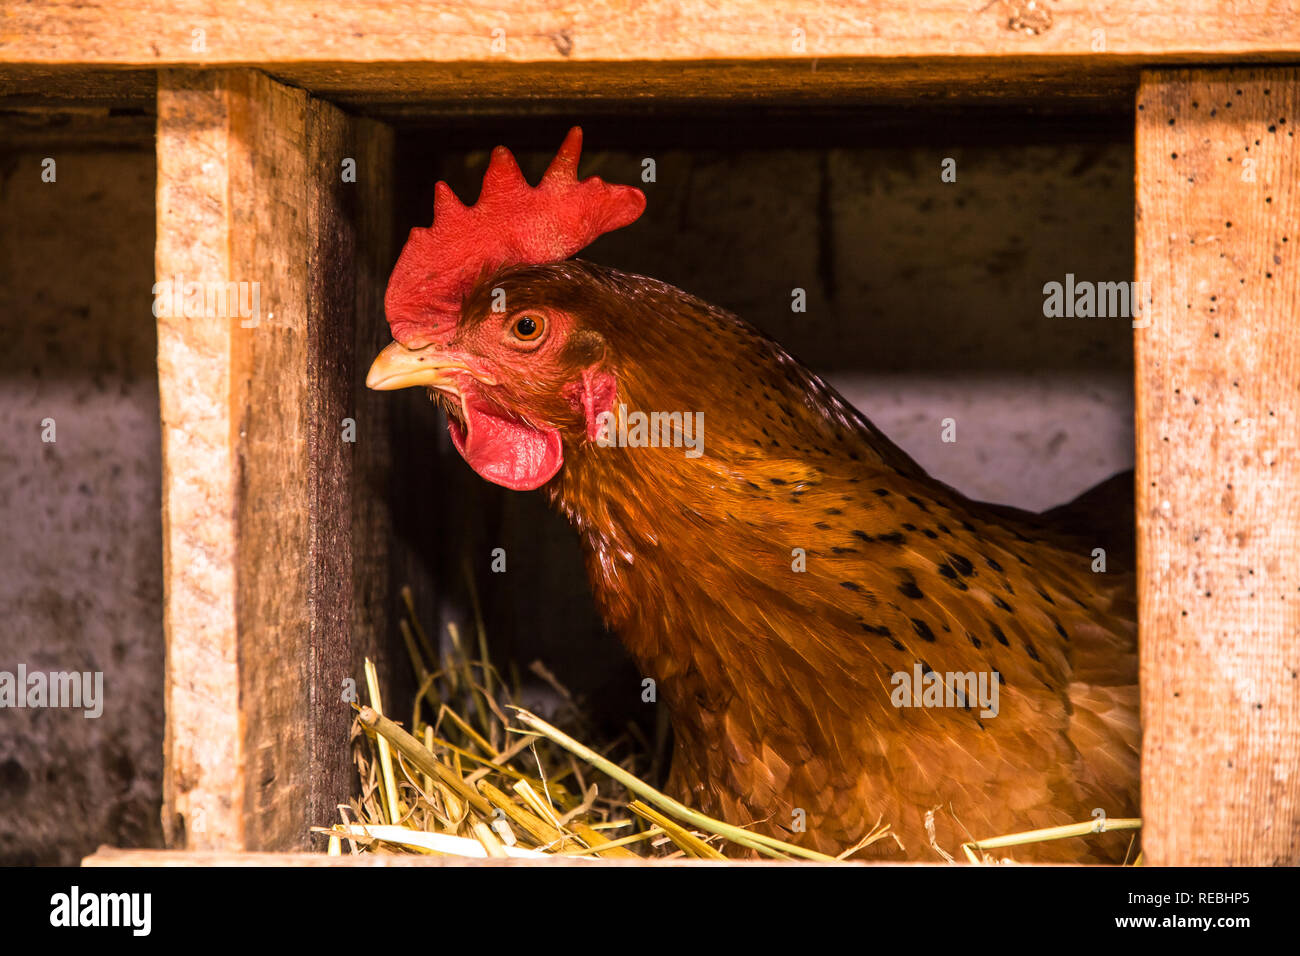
(281, 552)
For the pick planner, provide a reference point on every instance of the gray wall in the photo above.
(80, 521)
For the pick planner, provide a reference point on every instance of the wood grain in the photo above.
(270, 403)
(258, 483)
(418, 58)
(37, 84)
(1218, 432)
(76, 128)
(113, 857)
(349, 227)
(197, 32)
(202, 790)
(432, 89)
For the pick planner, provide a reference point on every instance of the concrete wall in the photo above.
(80, 523)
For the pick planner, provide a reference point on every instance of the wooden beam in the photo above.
(258, 480)
(45, 85)
(111, 856)
(1218, 420)
(431, 89)
(198, 33)
(350, 227)
(77, 128)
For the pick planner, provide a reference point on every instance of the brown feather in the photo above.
(778, 681)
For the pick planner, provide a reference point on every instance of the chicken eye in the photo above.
(528, 328)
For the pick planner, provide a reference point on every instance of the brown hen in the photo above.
(778, 571)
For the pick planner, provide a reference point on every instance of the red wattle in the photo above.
(508, 452)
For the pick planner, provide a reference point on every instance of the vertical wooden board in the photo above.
(271, 399)
(330, 369)
(377, 571)
(1218, 429)
(259, 516)
(202, 795)
(350, 218)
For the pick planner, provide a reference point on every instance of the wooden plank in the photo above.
(427, 89)
(270, 402)
(258, 487)
(196, 32)
(1218, 415)
(202, 797)
(58, 127)
(350, 225)
(44, 85)
(110, 856)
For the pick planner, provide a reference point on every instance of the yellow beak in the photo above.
(399, 367)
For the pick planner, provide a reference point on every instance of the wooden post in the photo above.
(262, 618)
(1218, 432)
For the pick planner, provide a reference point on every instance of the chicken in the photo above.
(773, 562)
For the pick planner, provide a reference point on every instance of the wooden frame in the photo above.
(243, 32)
(257, 475)
(249, 141)
(1218, 399)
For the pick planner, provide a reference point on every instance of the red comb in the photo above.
(511, 224)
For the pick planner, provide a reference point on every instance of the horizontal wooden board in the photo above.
(413, 90)
(42, 84)
(145, 32)
(435, 90)
(417, 58)
(110, 856)
(81, 127)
